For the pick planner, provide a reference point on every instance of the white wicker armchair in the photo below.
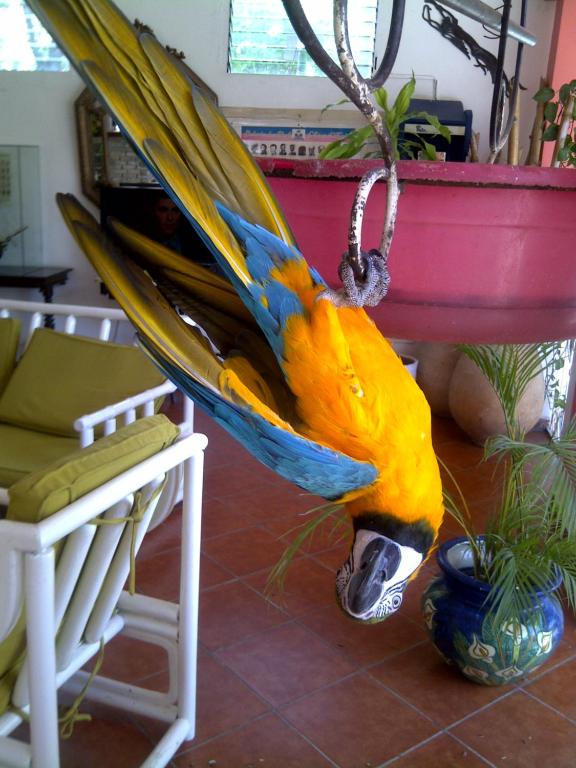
(69, 573)
(98, 323)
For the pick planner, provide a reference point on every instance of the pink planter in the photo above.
(480, 254)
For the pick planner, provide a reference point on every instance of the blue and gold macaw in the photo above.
(310, 388)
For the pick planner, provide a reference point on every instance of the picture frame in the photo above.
(291, 134)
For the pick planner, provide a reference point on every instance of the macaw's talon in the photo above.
(373, 286)
(371, 583)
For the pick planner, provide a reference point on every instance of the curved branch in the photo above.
(356, 90)
(357, 215)
(359, 91)
(499, 137)
(342, 41)
(396, 23)
(313, 46)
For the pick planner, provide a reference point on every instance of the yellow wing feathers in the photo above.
(150, 94)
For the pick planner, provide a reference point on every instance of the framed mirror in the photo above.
(106, 157)
(92, 145)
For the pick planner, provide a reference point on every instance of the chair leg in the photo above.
(189, 591)
(40, 629)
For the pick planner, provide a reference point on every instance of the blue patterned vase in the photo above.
(454, 609)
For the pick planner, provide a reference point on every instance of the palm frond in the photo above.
(519, 573)
(531, 539)
(306, 531)
(510, 368)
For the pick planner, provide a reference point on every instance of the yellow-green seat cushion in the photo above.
(61, 377)
(9, 338)
(43, 493)
(23, 451)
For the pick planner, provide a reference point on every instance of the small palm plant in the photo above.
(531, 537)
(360, 141)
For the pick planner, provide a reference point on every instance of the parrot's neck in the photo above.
(409, 520)
(418, 534)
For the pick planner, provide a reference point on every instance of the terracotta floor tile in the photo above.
(212, 574)
(220, 516)
(224, 703)
(233, 611)
(458, 454)
(266, 742)
(308, 585)
(363, 644)
(327, 535)
(164, 537)
(441, 752)
(262, 657)
(158, 575)
(424, 679)
(445, 430)
(246, 551)
(334, 557)
(357, 722)
(520, 732)
(232, 479)
(284, 663)
(279, 500)
(105, 742)
(557, 688)
(133, 661)
(410, 608)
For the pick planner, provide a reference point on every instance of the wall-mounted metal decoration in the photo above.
(447, 25)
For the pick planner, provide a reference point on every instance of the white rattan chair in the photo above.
(75, 600)
(99, 323)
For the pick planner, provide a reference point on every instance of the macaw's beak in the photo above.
(371, 583)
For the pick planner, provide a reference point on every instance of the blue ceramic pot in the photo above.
(455, 611)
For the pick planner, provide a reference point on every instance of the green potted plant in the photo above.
(560, 121)
(362, 141)
(494, 611)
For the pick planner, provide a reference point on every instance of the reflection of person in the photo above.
(166, 223)
(168, 226)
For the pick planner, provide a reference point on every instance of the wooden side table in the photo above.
(43, 278)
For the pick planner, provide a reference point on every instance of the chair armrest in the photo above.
(18, 538)
(108, 416)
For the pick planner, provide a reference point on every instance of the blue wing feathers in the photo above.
(315, 468)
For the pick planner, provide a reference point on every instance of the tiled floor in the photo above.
(289, 682)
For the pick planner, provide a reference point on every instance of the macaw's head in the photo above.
(385, 554)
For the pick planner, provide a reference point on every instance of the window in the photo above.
(263, 42)
(24, 43)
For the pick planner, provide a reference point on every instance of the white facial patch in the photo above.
(391, 591)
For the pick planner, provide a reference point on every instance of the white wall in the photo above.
(37, 108)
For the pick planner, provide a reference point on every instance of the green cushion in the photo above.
(45, 492)
(9, 338)
(23, 451)
(61, 377)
